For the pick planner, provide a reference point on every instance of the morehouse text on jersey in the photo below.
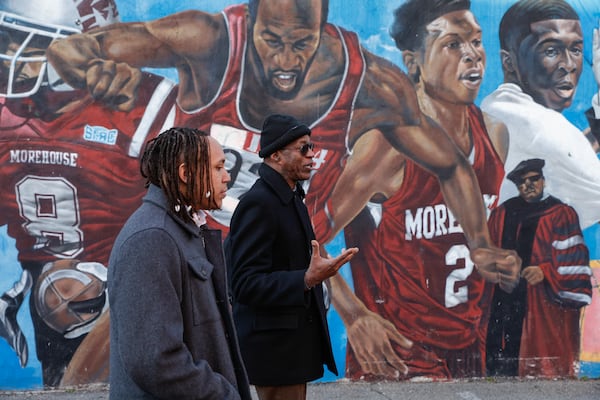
(437, 220)
(24, 156)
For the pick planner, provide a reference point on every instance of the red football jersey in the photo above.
(70, 183)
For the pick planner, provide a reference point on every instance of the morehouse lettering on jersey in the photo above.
(50, 157)
(437, 220)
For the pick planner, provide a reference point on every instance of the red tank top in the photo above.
(222, 118)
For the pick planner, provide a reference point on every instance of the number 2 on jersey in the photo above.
(456, 294)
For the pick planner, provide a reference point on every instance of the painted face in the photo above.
(285, 39)
(453, 62)
(531, 186)
(296, 165)
(219, 175)
(550, 62)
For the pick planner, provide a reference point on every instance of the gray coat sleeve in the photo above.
(145, 303)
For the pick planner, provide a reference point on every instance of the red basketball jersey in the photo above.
(415, 270)
(223, 119)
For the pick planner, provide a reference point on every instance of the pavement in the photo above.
(479, 389)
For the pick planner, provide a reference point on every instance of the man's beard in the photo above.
(266, 79)
(267, 82)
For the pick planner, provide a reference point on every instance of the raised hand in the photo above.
(80, 65)
(114, 84)
(321, 268)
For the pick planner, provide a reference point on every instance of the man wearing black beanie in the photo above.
(276, 271)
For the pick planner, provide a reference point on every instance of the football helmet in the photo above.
(26, 29)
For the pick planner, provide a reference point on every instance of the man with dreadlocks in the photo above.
(175, 337)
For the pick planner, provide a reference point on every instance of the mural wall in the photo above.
(388, 179)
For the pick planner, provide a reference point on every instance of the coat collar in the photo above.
(276, 182)
(156, 196)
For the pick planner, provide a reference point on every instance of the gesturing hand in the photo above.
(321, 268)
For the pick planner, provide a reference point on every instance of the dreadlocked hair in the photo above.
(160, 166)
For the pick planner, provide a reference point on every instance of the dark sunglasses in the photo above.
(532, 179)
(303, 149)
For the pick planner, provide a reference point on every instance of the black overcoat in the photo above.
(282, 328)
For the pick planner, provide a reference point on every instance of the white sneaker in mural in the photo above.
(10, 302)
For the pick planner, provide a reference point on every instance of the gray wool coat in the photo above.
(172, 334)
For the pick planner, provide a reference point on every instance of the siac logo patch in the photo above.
(100, 134)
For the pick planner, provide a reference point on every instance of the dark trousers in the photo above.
(286, 392)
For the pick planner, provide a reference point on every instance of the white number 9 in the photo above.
(51, 212)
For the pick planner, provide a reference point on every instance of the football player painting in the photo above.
(68, 169)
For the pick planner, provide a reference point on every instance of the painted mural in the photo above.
(422, 112)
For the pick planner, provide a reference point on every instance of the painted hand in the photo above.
(498, 265)
(533, 275)
(371, 338)
(114, 84)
